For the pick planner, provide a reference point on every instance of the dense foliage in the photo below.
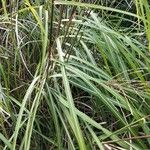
(74, 75)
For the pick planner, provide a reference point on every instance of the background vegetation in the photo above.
(74, 74)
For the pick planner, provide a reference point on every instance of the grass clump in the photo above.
(74, 75)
